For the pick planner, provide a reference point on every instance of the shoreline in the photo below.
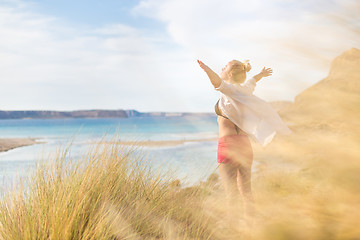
(161, 143)
(7, 144)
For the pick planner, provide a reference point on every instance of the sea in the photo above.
(190, 162)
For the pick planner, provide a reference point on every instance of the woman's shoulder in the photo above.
(248, 86)
(231, 89)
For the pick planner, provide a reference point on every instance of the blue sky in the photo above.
(94, 13)
(126, 54)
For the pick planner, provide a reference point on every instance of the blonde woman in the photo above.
(241, 116)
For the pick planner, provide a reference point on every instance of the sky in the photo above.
(141, 54)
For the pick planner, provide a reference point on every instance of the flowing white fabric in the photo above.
(253, 115)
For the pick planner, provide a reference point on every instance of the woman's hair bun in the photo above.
(247, 65)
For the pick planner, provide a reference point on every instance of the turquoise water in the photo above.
(192, 162)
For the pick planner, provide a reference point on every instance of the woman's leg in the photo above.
(228, 176)
(241, 155)
(244, 186)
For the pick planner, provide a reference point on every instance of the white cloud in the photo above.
(116, 29)
(296, 38)
(46, 64)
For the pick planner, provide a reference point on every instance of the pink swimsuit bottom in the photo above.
(239, 144)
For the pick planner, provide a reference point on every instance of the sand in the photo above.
(11, 143)
(167, 143)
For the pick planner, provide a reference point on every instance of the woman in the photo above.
(241, 116)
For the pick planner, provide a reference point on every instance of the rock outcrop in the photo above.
(332, 100)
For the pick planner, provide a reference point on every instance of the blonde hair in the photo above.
(238, 70)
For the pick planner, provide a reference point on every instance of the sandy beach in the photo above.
(167, 143)
(11, 143)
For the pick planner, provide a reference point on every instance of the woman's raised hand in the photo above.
(266, 72)
(214, 78)
(202, 65)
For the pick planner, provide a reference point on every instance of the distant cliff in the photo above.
(59, 114)
(278, 105)
(91, 114)
(334, 100)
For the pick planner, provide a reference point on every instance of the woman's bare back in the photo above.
(226, 127)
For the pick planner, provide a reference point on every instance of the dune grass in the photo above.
(111, 192)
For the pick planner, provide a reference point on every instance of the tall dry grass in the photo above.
(112, 193)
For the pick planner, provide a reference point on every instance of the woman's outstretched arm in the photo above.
(265, 72)
(214, 78)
